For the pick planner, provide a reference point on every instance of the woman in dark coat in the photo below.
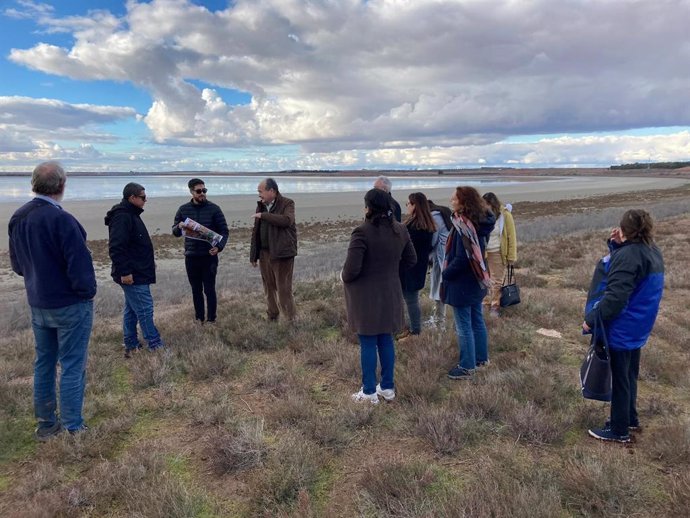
(466, 279)
(378, 249)
(420, 225)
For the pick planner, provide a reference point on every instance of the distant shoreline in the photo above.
(539, 171)
(343, 206)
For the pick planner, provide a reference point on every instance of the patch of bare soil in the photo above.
(531, 209)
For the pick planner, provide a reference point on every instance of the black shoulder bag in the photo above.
(595, 373)
(510, 292)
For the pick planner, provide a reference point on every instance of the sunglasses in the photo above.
(201, 191)
(141, 196)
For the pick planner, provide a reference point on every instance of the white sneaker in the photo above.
(387, 394)
(361, 396)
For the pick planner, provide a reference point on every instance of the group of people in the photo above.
(48, 249)
(387, 263)
(469, 245)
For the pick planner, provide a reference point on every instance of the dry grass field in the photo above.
(251, 418)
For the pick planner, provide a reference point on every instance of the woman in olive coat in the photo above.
(373, 295)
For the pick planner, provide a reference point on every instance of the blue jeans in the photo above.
(413, 310)
(139, 308)
(472, 336)
(370, 345)
(62, 335)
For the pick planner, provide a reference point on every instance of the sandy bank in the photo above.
(159, 212)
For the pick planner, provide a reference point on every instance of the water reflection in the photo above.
(161, 186)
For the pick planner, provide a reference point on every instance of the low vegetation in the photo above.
(253, 418)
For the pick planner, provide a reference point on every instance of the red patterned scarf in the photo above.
(465, 229)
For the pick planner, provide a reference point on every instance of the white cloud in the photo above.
(54, 115)
(26, 10)
(390, 80)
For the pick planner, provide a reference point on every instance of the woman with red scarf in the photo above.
(466, 278)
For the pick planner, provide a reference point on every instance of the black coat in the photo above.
(395, 207)
(413, 279)
(207, 214)
(129, 244)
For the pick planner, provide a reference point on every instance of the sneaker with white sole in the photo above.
(361, 396)
(387, 394)
(606, 434)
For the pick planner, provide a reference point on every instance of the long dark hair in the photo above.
(379, 209)
(494, 203)
(638, 227)
(421, 218)
(473, 206)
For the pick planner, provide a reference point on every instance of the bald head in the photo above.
(49, 179)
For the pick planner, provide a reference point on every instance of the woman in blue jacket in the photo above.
(627, 308)
(466, 279)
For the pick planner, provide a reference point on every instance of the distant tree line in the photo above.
(656, 165)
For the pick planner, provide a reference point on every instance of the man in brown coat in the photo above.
(274, 247)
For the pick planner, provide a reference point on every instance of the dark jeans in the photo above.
(414, 312)
(370, 347)
(201, 272)
(625, 368)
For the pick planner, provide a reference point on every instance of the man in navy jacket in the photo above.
(134, 267)
(48, 248)
(200, 258)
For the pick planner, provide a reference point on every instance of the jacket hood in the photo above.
(123, 206)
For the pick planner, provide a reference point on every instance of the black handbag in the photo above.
(595, 373)
(510, 292)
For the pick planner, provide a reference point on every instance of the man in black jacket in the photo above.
(134, 268)
(200, 256)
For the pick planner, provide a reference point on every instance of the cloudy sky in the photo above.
(342, 84)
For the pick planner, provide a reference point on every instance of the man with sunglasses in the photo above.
(134, 267)
(200, 257)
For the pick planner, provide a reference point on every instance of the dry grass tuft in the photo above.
(398, 489)
(151, 368)
(447, 430)
(670, 443)
(242, 450)
(292, 467)
(422, 362)
(607, 482)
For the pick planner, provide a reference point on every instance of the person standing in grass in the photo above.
(632, 292)
(501, 250)
(379, 248)
(133, 267)
(466, 279)
(274, 247)
(443, 224)
(48, 249)
(421, 227)
(200, 258)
